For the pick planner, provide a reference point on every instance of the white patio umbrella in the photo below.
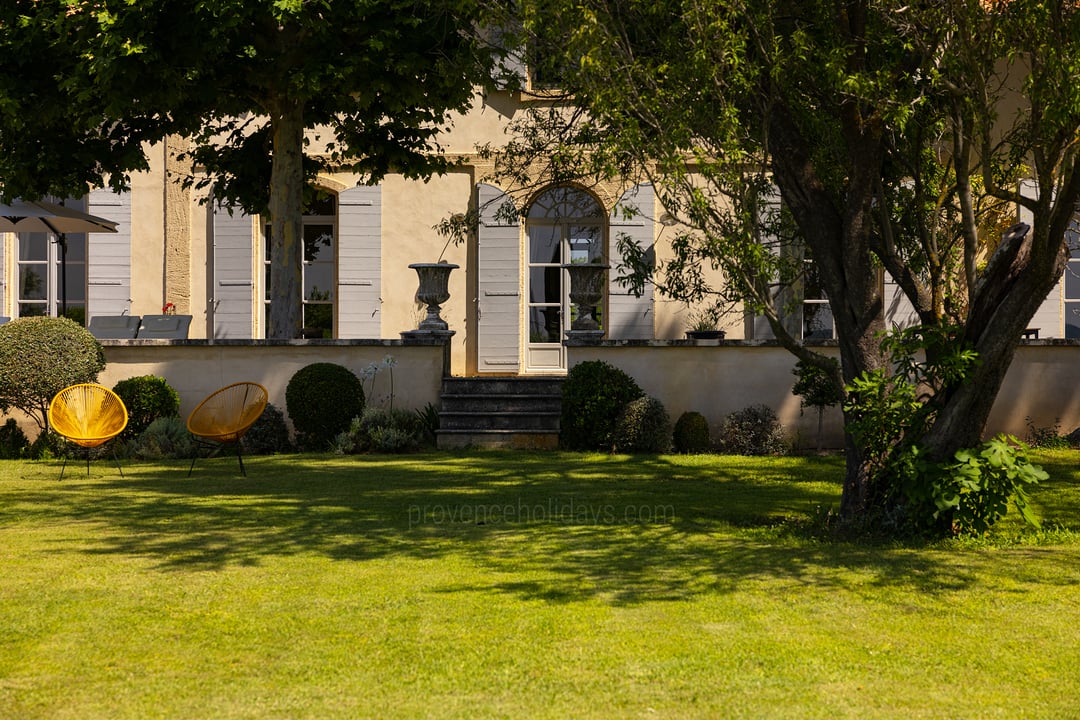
(20, 216)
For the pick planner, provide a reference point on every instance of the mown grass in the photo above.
(517, 585)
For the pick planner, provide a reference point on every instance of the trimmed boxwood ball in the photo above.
(754, 430)
(269, 434)
(593, 396)
(39, 357)
(691, 434)
(644, 427)
(322, 399)
(147, 398)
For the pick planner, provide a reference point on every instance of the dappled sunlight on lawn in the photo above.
(617, 528)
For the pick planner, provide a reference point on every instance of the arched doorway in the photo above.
(563, 225)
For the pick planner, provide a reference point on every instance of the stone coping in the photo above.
(1044, 342)
(416, 339)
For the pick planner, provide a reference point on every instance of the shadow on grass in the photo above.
(555, 527)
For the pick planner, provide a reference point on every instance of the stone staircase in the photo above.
(508, 412)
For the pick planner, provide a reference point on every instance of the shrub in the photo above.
(322, 399)
(644, 427)
(269, 434)
(382, 430)
(753, 430)
(147, 398)
(39, 357)
(968, 494)
(47, 445)
(13, 442)
(164, 439)
(593, 396)
(428, 417)
(691, 433)
(1045, 437)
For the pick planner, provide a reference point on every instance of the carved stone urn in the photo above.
(434, 291)
(586, 292)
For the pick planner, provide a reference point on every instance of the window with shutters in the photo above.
(319, 267)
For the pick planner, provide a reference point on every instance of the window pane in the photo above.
(32, 285)
(817, 321)
(76, 312)
(319, 282)
(1072, 239)
(586, 245)
(76, 248)
(319, 316)
(564, 203)
(1072, 319)
(318, 243)
(544, 245)
(544, 324)
(33, 247)
(544, 286)
(76, 282)
(32, 310)
(812, 289)
(1072, 280)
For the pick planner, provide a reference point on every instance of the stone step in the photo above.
(531, 421)
(500, 412)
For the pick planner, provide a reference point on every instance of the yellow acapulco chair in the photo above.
(88, 415)
(225, 415)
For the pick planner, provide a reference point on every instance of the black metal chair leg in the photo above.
(117, 459)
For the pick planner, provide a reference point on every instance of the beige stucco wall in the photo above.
(197, 368)
(716, 379)
(411, 210)
(713, 378)
(148, 235)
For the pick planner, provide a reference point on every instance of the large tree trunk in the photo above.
(286, 215)
(838, 238)
(1023, 270)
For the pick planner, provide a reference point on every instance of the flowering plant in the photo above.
(169, 309)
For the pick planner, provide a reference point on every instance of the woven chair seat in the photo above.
(227, 414)
(88, 415)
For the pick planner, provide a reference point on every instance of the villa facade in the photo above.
(509, 304)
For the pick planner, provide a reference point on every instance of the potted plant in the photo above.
(704, 324)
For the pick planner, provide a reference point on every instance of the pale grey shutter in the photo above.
(510, 68)
(899, 311)
(1048, 318)
(108, 255)
(233, 285)
(359, 245)
(630, 317)
(498, 304)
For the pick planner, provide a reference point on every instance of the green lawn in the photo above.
(513, 585)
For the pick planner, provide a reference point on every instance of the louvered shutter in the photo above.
(359, 238)
(498, 285)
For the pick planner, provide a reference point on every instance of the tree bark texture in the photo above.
(286, 217)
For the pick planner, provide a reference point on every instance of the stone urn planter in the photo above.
(586, 292)
(434, 291)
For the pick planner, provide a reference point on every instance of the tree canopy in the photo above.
(85, 84)
(861, 135)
